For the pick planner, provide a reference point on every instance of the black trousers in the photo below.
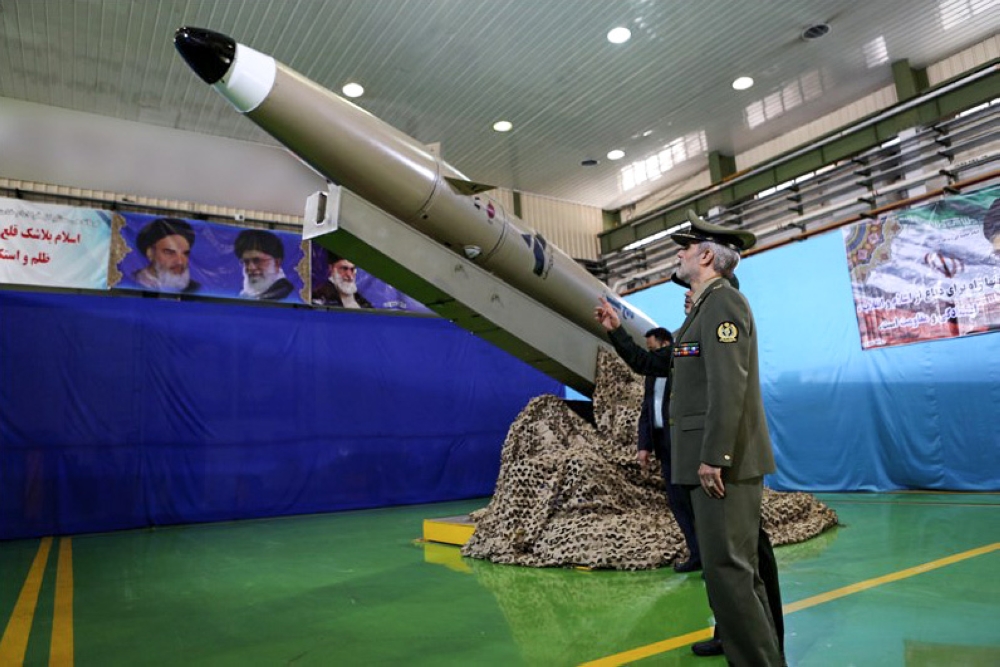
(680, 499)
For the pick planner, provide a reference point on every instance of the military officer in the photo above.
(721, 446)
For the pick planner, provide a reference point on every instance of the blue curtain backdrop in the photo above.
(127, 412)
(920, 416)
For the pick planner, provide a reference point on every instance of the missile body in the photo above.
(396, 173)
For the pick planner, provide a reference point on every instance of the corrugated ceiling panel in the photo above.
(881, 99)
(505, 197)
(444, 70)
(699, 181)
(965, 60)
(572, 227)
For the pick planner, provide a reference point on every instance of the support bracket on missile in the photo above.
(453, 287)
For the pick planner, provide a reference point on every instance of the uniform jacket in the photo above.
(717, 415)
(727, 427)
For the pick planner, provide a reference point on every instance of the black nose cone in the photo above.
(208, 53)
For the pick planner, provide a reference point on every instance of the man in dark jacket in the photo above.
(654, 436)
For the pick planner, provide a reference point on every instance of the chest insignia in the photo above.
(727, 332)
(687, 349)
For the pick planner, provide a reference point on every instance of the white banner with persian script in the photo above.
(53, 246)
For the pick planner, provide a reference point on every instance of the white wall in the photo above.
(61, 147)
(161, 166)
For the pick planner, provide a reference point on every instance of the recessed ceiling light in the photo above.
(619, 35)
(353, 90)
(503, 126)
(742, 83)
(647, 133)
(616, 154)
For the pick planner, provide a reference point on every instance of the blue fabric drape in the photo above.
(128, 412)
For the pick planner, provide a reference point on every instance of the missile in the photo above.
(396, 173)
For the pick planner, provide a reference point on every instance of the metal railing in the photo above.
(919, 164)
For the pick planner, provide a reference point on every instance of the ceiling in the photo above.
(445, 70)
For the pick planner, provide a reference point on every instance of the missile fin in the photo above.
(465, 187)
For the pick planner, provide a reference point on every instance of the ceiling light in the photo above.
(503, 126)
(353, 90)
(616, 154)
(619, 35)
(742, 83)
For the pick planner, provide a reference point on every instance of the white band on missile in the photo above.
(249, 79)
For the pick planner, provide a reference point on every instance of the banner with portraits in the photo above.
(53, 246)
(70, 247)
(928, 272)
(173, 255)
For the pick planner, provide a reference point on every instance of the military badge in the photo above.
(727, 332)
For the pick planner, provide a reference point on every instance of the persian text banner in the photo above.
(53, 246)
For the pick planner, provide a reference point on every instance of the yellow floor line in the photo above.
(651, 649)
(889, 578)
(928, 503)
(61, 650)
(676, 642)
(15, 636)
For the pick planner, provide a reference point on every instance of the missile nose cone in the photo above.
(208, 53)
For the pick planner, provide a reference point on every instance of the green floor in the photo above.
(358, 588)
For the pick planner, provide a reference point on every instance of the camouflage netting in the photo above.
(572, 493)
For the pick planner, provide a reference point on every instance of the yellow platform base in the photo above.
(449, 530)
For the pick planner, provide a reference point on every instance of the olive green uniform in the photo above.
(717, 417)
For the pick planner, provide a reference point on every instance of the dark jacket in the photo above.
(646, 440)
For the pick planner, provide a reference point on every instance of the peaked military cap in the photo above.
(700, 230)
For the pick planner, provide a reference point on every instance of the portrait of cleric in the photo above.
(261, 254)
(340, 286)
(165, 244)
(338, 282)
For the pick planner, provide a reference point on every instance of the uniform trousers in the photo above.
(768, 566)
(727, 535)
